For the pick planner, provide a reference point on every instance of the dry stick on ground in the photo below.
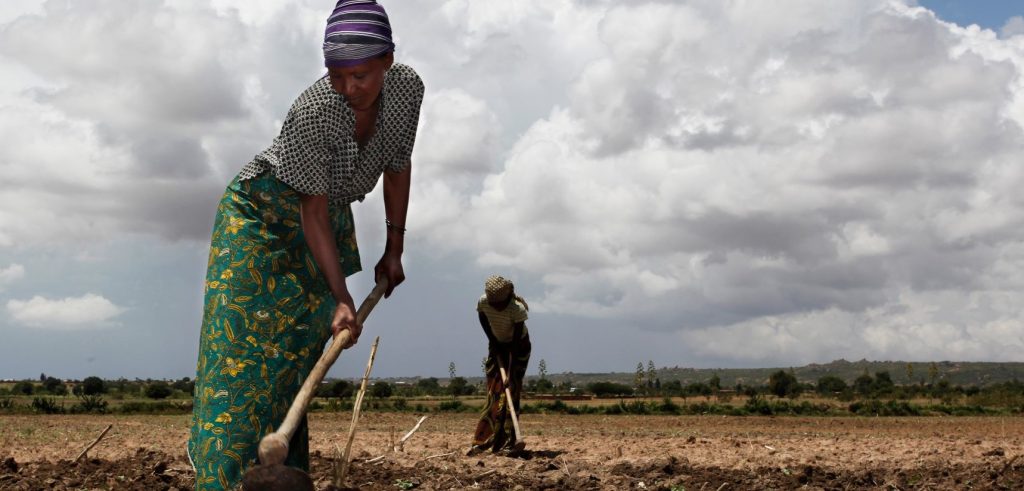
(93, 444)
(1009, 464)
(439, 455)
(400, 446)
(485, 474)
(340, 473)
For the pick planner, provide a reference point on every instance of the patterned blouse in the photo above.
(316, 152)
(503, 322)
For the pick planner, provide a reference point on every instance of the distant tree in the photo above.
(933, 372)
(185, 385)
(652, 373)
(602, 389)
(543, 386)
(542, 369)
(93, 385)
(638, 378)
(158, 390)
(451, 370)
(428, 386)
(715, 383)
(459, 386)
(864, 385)
(381, 390)
(54, 386)
(483, 366)
(782, 384)
(830, 384)
(883, 383)
(699, 389)
(42, 377)
(672, 388)
(910, 373)
(342, 389)
(24, 387)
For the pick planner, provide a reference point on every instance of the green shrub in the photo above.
(158, 390)
(90, 404)
(874, 407)
(399, 404)
(47, 405)
(158, 407)
(451, 406)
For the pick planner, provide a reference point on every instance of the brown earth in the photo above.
(565, 452)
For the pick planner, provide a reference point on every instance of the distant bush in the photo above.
(874, 407)
(90, 404)
(23, 388)
(605, 389)
(158, 390)
(455, 406)
(558, 407)
(93, 385)
(159, 407)
(669, 407)
(399, 404)
(381, 390)
(47, 405)
(6, 404)
(54, 386)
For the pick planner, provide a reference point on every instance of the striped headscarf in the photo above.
(357, 31)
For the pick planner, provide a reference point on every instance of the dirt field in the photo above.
(565, 452)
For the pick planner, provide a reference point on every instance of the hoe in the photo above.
(271, 474)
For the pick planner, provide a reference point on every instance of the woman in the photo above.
(283, 243)
(502, 315)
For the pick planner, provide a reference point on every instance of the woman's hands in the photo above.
(390, 267)
(345, 318)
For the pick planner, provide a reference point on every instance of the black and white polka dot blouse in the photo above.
(316, 152)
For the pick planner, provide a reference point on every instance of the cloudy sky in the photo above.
(704, 183)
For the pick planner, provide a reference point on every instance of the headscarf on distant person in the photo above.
(498, 288)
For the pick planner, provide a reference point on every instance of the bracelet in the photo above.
(396, 228)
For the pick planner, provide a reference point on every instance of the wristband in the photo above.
(396, 228)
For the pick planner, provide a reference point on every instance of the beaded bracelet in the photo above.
(396, 228)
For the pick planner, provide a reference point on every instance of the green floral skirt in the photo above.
(266, 318)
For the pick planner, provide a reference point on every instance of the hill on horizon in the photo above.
(966, 373)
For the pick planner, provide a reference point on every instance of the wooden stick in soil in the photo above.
(400, 446)
(93, 444)
(346, 457)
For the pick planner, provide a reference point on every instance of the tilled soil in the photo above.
(565, 452)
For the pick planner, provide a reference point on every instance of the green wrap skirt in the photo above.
(266, 318)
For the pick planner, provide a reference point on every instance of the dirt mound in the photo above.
(150, 470)
(147, 470)
(565, 452)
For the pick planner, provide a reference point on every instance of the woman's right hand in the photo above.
(345, 318)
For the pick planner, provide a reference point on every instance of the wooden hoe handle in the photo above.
(274, 447)
(508, 398)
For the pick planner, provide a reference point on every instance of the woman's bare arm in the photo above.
(396, 206)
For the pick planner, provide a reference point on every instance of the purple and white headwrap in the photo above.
(357, 31)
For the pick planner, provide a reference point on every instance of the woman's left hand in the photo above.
(390, 267)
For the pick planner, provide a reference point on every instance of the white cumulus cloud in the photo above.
(1014, 26)
(10, 274)
(85, 312)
